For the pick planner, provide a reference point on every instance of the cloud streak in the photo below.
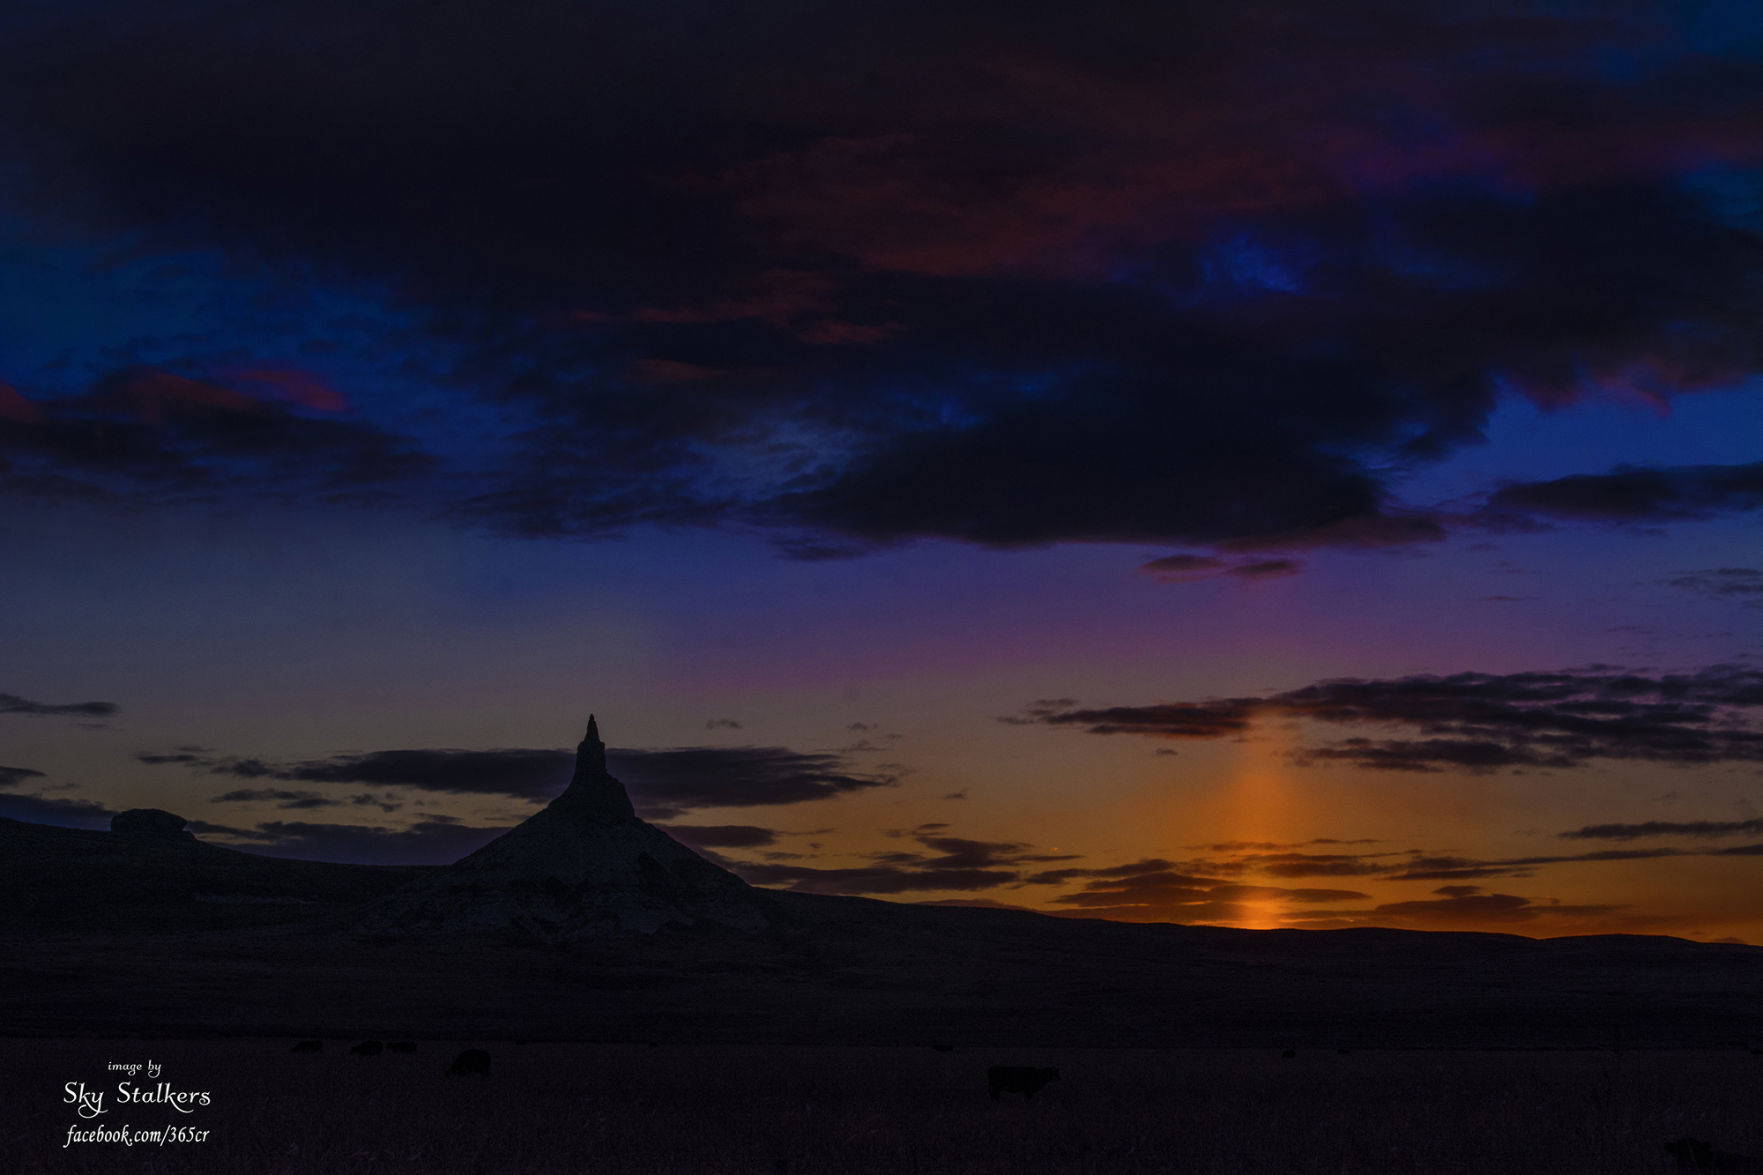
(1477, 722)
(1635, 494)
(952, 863)
(1651, 828)
(663, 783)
(13, 704)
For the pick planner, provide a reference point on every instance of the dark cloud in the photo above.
(1648, 828)
(1274, 861)
(952, 863)
(867, 273)
(1318, 864)
(13, 704)
(1162, 887)
(1320, 895)
(63, 813)
(1721, 582)
(1267, 846)
(1150, 865)
(1755, 850)
(1634, 494)
(296, 800)
(13, 776)
(1422, 867)
(1189, 568)
(265, 795)
(148, 435)
(1159, 890)
(1467, 903)
(1479, 722)
(523, 774)
(666, 782)
(1266, 569)
(956, 851)
(1137, 894)
(1198, 720)
(720, 836)
(662, 783)
(870, 879)
(1184, 568)
(434, 841)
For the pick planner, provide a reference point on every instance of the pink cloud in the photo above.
(1147, 161)
(300, 388)
(15, 407)
(666, 371)
(153, 396)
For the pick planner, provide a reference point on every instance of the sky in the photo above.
(1267, 465)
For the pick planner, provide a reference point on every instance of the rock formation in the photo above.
(583, 868)
(150, 822)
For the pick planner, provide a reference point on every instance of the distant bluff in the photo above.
(585, 867)
(154, 823)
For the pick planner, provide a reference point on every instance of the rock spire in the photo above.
(584, 867)
(593, 793)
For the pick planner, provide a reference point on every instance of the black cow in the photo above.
(1289, 1054)
(368, 1048)
(308, 1046)
(1695, 1157)
(470, 1063)
(401, 1046)
(943, 1048)
(1024, 1079)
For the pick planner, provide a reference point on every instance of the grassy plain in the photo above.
(815, 1110)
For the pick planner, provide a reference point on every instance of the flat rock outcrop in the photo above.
(150, 822)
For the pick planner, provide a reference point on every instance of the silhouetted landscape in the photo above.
(619, 980)
(1173, 586)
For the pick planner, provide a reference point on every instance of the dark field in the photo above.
(745, 1110)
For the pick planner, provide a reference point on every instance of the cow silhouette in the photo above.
(1289, 1054)
(1024, 1079)
(1695, 1157)
(401, 1046)
(943, 1048)
(368, 1048)
(470, 1063)
(308, 1046)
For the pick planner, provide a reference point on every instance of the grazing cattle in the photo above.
(1289, 1054)
(943, 1048)
(401, 1046)
(368, 1048)
(1695, 1157)
(308, 1046)
(1343, 1052)
(470, 1063)
(1024, 1079)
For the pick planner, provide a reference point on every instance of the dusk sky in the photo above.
(1265, 464)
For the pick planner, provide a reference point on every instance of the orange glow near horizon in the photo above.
(1258, 806)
